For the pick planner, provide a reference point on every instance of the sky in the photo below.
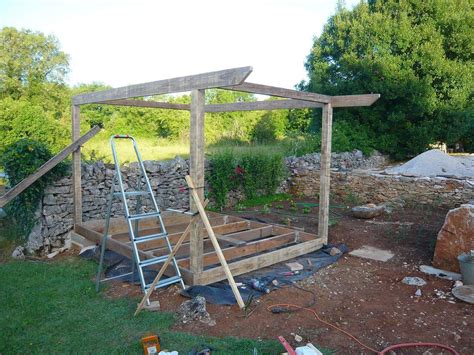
(122, 42)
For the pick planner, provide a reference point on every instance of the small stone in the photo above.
(19, 253)
(275, 282)
(334, 251)
(458, 283)
(413, 281)
(298, 338)
(418, 293)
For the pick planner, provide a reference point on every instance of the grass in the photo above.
(52, 307)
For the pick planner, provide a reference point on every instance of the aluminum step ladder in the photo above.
(133, 221)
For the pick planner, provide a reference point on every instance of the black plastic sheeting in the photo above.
(220, 292)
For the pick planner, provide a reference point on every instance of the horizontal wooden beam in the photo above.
(145, 103)
(209, 80)
(46, 167)
(279, 92)
(261, 105)
(354, 100)
(258, 261)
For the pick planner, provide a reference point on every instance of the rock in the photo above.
(367, 211)
(153, 306)
(334, 251)
(414, 281)
(418, 293)
(455, 237)
(372, 253)
(298, 338)
(19, 253)
(294, 266)
(443, 274)
(195, 309)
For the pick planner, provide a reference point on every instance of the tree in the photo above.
(29, 61)
(417, 54)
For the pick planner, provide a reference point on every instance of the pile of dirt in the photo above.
(433, 163)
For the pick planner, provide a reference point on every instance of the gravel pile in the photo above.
(434, 163)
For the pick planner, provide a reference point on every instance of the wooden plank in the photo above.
(255, 247)
(219, 253)
(118, 247)
(259, 261)
(76, 166)
(173, 238)
(325, 179)
(262, 105)
(43, 169)
(185, 83)
(354, 100)
(279, 92)
(146, 103)
(229, 240)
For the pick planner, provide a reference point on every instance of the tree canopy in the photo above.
(417, 54)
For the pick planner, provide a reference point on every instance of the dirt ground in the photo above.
(365, 298)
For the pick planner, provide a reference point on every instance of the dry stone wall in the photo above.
(353, 175)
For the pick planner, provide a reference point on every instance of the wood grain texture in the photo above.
(150, 104)
(354, 100)
(185, 83)
(325, 179)
(76, 166)
(261, 105)
(43, 169)
(259, 261)
(280, 92)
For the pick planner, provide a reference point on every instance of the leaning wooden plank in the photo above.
(43, 169)
(146, 103)
(261, 105)
(259, 261)
(354, 100)
(167, 263)
(279, 92)
(185, 83)
(215, 243)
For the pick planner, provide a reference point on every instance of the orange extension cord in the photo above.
(288, 306)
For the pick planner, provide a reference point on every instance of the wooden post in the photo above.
(76, 165)
(196, 171)
(325, 173)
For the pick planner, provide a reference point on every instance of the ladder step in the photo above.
(132, 193)
(152, 261)
(165, 282)
(146, 238)
(144, 215)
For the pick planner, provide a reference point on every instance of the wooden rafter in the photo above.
(146, 103)
(209, 80)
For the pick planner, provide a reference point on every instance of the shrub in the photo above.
(21, 159)
(256, 174)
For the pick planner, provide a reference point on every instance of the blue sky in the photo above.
(121, 42)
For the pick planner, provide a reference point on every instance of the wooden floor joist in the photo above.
(246, 245)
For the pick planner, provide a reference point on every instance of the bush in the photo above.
(270, 127)
(20, 160)
(256, 174)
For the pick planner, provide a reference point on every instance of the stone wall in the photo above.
(351, 177)
(374, 187)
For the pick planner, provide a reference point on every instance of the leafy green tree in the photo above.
(417, 54)
(28, 61)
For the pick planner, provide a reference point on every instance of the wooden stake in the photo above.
(214, 241)
(167, 262)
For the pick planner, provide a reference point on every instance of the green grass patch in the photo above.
(52, 307)
(265, 200)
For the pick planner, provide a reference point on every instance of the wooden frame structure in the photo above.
(240, 238)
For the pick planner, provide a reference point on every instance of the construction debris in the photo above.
(294, 266)
(443, 274)
(195, 309)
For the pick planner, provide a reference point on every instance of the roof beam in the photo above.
(261, 105)
(144, 103)
(354, 100)
(209, 80)
(279, 92)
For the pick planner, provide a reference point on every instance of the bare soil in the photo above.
(365, 298)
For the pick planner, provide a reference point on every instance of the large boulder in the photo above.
(455, 237)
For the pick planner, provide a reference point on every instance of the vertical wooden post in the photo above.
(325, 172)
(196, 171)
(76, 166)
